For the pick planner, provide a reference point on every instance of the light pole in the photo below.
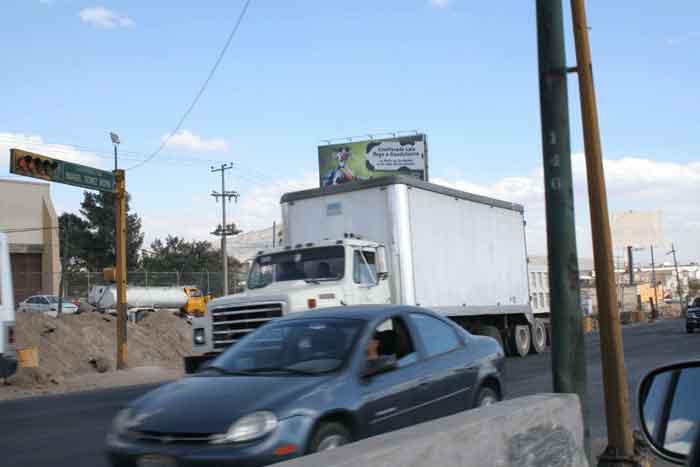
(115, 141)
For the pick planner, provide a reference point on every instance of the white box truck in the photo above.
(8, 354)
(394, 240)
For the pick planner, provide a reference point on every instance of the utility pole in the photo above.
(630, 262)
(224, 229)
(653, 281)
(568, 356)
(120, 273)
(679, 288)
(620, 449)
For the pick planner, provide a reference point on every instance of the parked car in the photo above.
(309, 382)
(692, 317)
(46, 304)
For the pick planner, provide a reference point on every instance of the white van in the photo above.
(8, 355)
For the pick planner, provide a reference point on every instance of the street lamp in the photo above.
(115, 141)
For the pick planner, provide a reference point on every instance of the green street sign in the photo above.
(46, 168)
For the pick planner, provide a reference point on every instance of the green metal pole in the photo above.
(568, 357)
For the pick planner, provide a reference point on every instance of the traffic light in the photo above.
(33, 165)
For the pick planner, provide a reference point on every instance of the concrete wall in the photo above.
(544, 430)
(28, 205)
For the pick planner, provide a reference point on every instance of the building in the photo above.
(28, 217)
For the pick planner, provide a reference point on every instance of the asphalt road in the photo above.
(69, 430)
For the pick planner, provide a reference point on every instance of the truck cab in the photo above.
(8, 356)
(290, 279)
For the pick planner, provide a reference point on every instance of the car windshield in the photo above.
(312, 265)
(304, 346)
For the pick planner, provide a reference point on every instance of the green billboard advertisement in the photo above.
(364, 160)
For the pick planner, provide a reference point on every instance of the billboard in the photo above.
(363, 160)
(639, 229)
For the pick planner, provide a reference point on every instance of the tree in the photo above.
(90, 239)
(177, 254)
(98, 209)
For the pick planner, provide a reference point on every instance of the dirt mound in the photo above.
(84, 344)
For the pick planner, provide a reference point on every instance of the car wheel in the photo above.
(539, 336)
(329, 435)
(520, 339)
(486, 396)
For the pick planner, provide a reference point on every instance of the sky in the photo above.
(303, 71)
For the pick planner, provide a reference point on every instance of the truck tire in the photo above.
(520, 340)
(538, 331)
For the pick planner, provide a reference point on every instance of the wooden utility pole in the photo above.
(620, 449)
(120, 263)
(224, 230)
(568, 355)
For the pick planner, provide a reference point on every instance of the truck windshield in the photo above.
(312, 265)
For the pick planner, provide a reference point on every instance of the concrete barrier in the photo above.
(534, 431)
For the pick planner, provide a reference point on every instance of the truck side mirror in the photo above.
(382, 270)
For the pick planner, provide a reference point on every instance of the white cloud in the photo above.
(439, 3)
(104, 18)
(632, 183)
(186, 139)
(36, 144)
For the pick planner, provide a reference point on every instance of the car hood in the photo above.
(210, 404)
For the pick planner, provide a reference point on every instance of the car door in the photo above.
(42, 305)
(32, 304)
(447, 376)
(387, 399)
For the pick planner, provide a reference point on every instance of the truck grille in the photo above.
(232, 323)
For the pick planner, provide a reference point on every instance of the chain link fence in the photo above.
(78, 284)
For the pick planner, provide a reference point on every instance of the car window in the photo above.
(391, 338)
(437, 337)
(364, 268)
(43, 301)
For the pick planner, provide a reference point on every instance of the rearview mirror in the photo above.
(669, 411)
(380, 365)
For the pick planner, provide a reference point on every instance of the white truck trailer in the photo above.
(8, 354)
(394, 240)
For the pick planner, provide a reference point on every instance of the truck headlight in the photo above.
(199, 337)
(248, 428)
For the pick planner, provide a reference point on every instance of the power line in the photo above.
(201, 89)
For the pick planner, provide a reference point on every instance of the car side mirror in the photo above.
(669, 411)
(383, 364)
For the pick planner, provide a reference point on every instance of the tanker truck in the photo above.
(140, 300)
(393, 240)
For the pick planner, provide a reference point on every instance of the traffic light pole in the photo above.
(620, 449)
(568, 353)
(120, 240)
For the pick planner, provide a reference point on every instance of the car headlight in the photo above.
(248, 428)
(121, 422)
(199, 338)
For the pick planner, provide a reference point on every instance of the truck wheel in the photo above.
(520, 339)
(539, 336)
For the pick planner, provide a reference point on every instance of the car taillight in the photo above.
(311, 303)
(11, 335)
